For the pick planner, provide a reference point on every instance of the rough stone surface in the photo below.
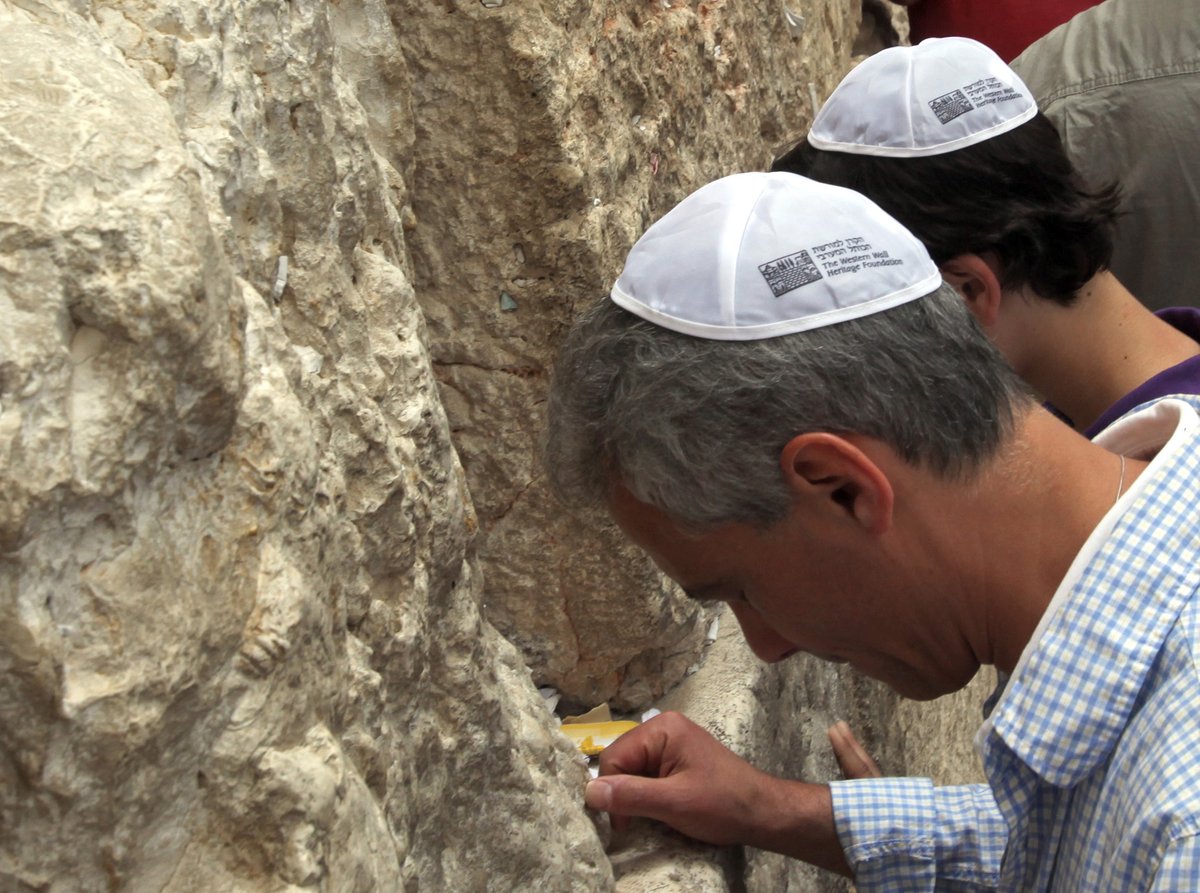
(241, 645)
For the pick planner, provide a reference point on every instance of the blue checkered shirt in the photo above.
(1092, 753)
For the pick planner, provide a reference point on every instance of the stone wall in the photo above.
(279, 285)
(241, 643)
(547, 137)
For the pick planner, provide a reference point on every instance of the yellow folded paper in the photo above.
(593, 737)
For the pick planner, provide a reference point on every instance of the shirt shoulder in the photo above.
(1117, 42)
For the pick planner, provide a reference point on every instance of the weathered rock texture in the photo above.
(239, 634)
(279, 284)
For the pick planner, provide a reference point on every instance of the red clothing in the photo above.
(1007, 26)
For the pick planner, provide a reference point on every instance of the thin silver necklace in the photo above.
(1121, 482)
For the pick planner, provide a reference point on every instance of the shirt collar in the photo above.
(1182, 378)
(1079, 678)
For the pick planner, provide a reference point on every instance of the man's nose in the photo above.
(767, 644)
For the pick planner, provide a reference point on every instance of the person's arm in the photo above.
(672, 770)
(889, 834)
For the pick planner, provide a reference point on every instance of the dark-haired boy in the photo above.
(947, 139)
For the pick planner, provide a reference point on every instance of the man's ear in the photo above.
(976, 280)
(829, 473)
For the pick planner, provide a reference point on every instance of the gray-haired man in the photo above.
(783, 406)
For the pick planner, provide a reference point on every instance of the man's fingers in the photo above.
(868, 767)
(852, 757)
(671, 770)
(642, 751)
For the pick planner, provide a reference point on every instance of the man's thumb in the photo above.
(598, 795)
(623, 794)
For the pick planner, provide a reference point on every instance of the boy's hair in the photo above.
(1016, 195)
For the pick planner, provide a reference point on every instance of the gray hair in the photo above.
(695, 427)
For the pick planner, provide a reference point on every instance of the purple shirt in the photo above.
(1182, 378)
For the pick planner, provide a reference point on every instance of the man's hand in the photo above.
(672, 770)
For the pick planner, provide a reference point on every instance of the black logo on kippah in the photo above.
(788, 273)
(950, 106)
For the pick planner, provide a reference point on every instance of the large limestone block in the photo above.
(547, 137)
(241, 641)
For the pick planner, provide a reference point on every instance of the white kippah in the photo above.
(759, 255)
(943, 94)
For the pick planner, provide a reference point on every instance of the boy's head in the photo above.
(947, 139)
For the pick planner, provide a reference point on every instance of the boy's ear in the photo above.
(828, 473)
(976, 280)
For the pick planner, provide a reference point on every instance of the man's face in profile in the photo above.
(801, 586)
